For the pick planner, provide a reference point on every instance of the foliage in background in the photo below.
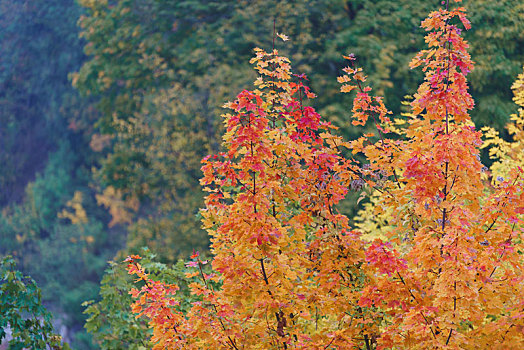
(45, 130)
(385, 35)
(508, 153)
(22, 312)
(38, 52)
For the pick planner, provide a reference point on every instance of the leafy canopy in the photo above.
(293, 274)
(22, 312)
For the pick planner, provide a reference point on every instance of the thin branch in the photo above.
(415, 299)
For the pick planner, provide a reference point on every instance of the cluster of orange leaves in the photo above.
(288, 270)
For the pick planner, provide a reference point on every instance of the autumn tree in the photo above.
(289, 272)
(287, 264)
(160, 69)
(457, 281)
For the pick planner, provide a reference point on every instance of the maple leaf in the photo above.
(192, 264)
(347, 88)
(132, 258)
(195, 254)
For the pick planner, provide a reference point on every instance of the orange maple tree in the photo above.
(288, 272)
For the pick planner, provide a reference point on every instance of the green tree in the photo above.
(22, 311)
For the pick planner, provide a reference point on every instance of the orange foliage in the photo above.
(289, 272)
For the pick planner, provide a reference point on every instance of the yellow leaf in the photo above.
(347, 88)
(283, 36)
